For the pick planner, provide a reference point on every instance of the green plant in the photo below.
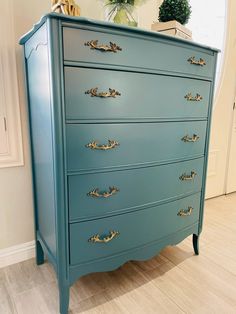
(179, 10)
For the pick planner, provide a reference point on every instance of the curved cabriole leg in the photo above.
(196, 244)
(39, 253)
(64, 296)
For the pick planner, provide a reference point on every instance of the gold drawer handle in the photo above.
(112, 47)
(94, 145)
(193, 139)
(95, 193)
(185, 212)
(98, 239)
(200, 62)
(186, 177)
(94, 93)
(190, 97)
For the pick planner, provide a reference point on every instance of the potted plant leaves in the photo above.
(173, 15)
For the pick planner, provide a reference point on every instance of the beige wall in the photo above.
(16, 205)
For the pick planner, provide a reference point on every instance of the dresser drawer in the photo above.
(149, 53)
(134, 95)
(94, 195)
(135, 229)
(102, 146)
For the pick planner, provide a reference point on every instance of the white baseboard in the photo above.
(17, 253)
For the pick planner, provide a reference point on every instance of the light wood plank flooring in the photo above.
(174, 282)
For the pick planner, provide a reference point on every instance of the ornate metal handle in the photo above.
(94, 145)
(185, 177)
(185, 212)
(200, 62)
(193, 139)
(95, 193)
(190, 97)
(94, 93)
(98, 239)
(112, 47)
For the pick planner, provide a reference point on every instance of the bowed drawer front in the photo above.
(133, 229)
(115, 50)
(121, 171)
(102, 94)
(98, 194)
(101, 146)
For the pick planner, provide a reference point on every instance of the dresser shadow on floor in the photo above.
(125, 284)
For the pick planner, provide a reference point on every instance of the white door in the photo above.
(231, 176)
(217, 28)
(222, 112)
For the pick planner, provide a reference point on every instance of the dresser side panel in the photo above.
(40, 114)
(57, 93)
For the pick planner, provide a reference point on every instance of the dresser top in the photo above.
(108, 26)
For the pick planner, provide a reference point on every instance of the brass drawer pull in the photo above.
(112, 47)
(94, 93)
(98, 239)
(186, 177)
(185, 212)
(95, 193)
(200, 62)
(94, 145)
(193, 139)
(190, 97)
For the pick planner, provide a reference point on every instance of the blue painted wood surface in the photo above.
(138, 53)
(141, 253)
(148, 120)
(139, 143)
(142, 96)
(56, 80)
(135, 229)
(138, 188)
(39, 96)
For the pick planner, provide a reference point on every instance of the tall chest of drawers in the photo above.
(119, 122)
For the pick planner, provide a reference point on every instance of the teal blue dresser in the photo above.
(119, 122)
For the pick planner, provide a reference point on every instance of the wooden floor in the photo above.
(176, 281)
